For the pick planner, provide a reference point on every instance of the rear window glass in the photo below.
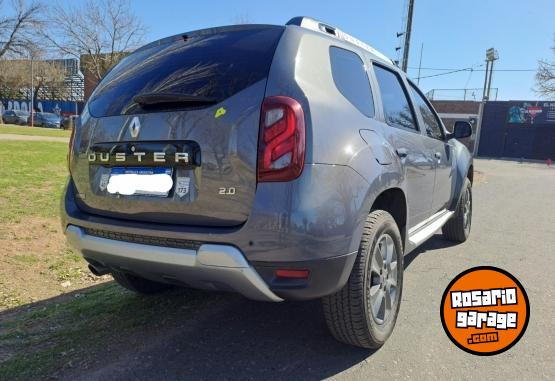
(396, 106)
(351, 79)
(213, 63)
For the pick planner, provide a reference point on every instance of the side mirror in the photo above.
(462, 129)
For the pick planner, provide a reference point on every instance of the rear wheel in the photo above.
(363, 313)
(138, 284)
(458, 227)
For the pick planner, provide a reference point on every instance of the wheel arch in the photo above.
(463, 169)
(393, 200)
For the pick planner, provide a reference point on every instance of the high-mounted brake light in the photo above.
(281, 145)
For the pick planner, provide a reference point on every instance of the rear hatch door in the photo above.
(186, 108)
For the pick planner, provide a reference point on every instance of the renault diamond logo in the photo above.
(135, 127)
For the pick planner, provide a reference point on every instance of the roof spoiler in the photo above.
(315, 25)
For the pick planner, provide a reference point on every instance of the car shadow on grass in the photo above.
(107, 333)
(104, 332)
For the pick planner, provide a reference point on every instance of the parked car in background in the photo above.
(46, 119)
(15, 117)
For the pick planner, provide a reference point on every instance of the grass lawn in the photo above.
(73, 332)
(32, 177)
(54, 315)
(36, 131)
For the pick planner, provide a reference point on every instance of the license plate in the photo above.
(140, 181)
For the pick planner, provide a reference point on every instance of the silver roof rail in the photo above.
(315, 25)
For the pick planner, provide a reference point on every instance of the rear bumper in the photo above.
(289, 227)
(216, 267)
(326, 276)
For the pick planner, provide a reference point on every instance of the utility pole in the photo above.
(420, 64)
(491, 56)
(406, 47)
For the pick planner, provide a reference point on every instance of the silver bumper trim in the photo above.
(210, 267)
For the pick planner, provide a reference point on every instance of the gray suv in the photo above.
(281, 162)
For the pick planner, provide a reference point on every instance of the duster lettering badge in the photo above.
(183, 153)
(139, 157)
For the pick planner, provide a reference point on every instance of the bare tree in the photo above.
(18, 28)
(545, 78)
(98, 32)
(15, 79)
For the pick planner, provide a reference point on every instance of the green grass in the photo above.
(35, 131)
(32, 177)
(40, 340)
(67, 333)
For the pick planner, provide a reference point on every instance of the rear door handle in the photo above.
(402, 152)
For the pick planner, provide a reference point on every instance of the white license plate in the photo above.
(140, 181)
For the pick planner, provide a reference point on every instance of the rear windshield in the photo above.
(214, 63)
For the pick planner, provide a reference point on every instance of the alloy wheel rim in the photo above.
(382, 284)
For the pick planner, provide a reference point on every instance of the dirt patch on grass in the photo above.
(37, 264)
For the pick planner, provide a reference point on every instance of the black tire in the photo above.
(348, 313)
(138, 284)
(457, 229)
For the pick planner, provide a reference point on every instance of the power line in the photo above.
(449, 72)
(452, 69)
(468, 79)
(471, 70)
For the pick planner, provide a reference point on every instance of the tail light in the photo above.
(281, 145)
(71, 139)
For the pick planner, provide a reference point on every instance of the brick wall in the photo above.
(456, 107)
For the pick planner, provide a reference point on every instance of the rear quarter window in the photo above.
(214, 63)
(351, 79)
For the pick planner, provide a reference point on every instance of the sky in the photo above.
(455, 33)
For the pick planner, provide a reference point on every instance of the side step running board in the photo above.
(427, 228)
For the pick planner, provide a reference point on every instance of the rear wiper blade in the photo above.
(153, 99)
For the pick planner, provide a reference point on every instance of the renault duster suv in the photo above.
(280, 162)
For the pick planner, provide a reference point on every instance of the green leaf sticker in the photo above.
(219, 112)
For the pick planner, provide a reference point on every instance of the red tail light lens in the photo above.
(71, 138)
(281, 146)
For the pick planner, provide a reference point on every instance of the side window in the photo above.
(351, 79)
(396, 106)
(431, 121)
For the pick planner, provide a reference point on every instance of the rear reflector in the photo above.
(281, 146)
(292, 273)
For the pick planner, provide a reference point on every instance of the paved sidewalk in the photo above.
(34, 138)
